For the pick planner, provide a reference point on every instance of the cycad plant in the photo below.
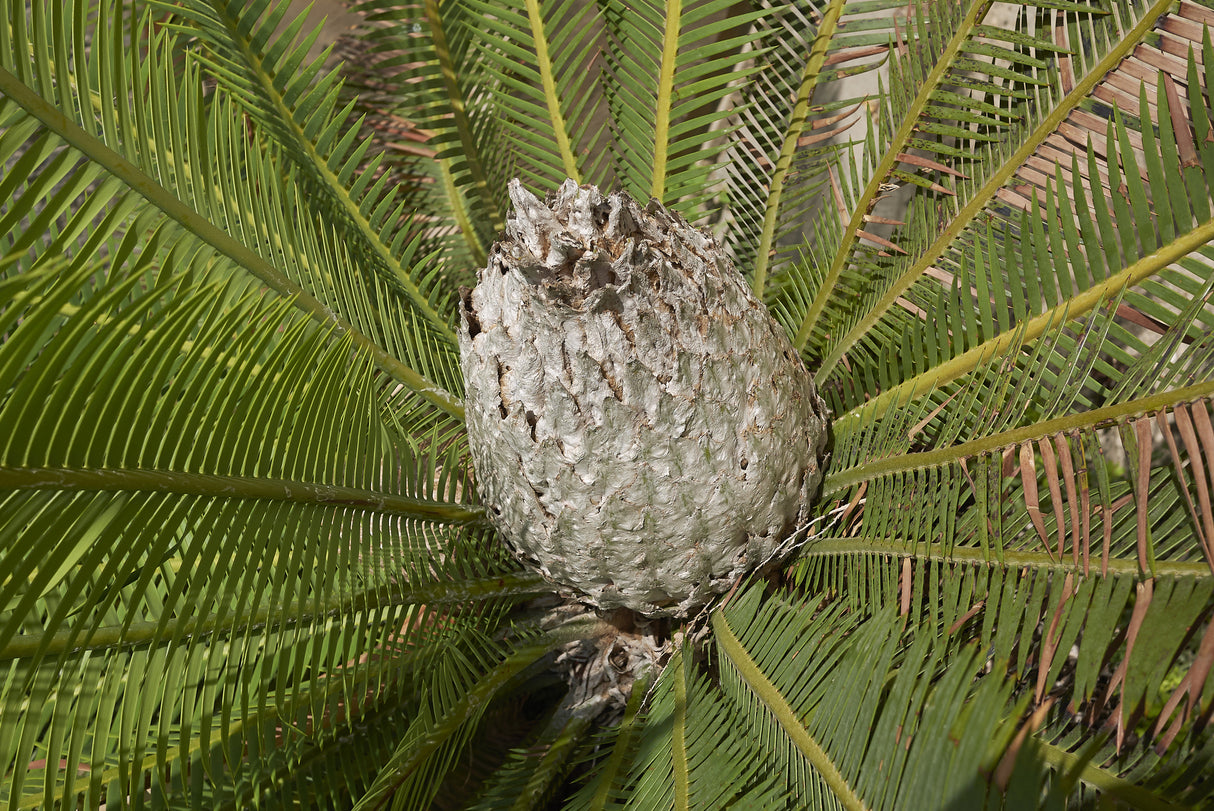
(243, 558)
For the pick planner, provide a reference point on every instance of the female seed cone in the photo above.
(642, 431)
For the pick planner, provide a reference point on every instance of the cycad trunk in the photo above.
(642, 430)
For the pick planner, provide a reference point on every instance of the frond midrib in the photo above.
(460, 213)
(678, 744)
(1033, 328)
(837, 482)
(839, 546)
(299, 612)
(770, 696)
(540, 37)
(215, 486)
(665, 97)
(1106, 782)
(796, 125)
(459, 112)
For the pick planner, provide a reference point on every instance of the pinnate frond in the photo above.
(666, 139)
(173, 170)
(211, 478)
(451, 714)
(441, 78)
(691, 752)
(952, 222)
(850, 715)
(271, 78)
(218, 524)
(547, 88)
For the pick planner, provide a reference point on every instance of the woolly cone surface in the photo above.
(642, 430)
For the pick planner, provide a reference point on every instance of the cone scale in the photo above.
(642, 430)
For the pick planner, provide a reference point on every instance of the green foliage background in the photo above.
(241, 556)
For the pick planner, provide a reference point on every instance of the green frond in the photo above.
(443, 77)
(201, 534)
(367, 744)
(620, 742)
(1091, 768)
(206, 196)
(1114, 499)
(427, 750)
(208, 479)
(955, 100)
(1105, 652)
(852, 716)
(547, 88)
(1020, 445)
(530, 776)
(327, 163)
(962, 213)
(791, 140)
(374, 79)
(789, 164)
(691, 753)
(671, 71)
